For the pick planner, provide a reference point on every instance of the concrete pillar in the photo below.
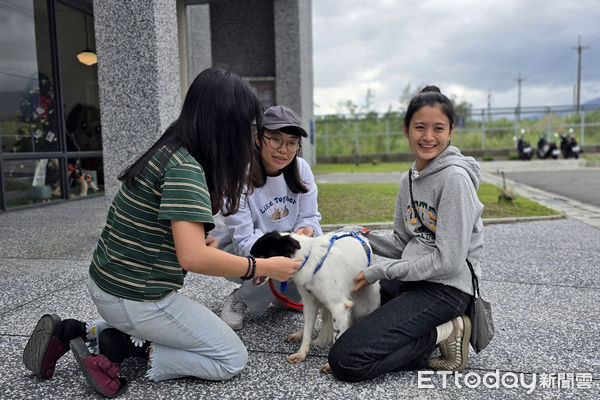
(139, 78)
(294, 62)
(199, 53)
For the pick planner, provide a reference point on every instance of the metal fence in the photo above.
(495, 128)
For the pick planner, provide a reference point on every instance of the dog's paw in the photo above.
(296, 358)
(326, 369)
(294, 337)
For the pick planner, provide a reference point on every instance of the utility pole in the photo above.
(489, 105)
(579, 48)
(518, 113)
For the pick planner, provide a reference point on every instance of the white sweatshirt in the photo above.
(273, 207)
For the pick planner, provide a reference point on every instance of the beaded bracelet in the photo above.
(253, 273)
(251, 265)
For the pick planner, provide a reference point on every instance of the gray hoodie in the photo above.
(445, 193)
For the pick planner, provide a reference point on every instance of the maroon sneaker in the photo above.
(99, 371)
(44, 348)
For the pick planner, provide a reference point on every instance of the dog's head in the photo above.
(274, 244)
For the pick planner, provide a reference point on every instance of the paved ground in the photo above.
(541, 277)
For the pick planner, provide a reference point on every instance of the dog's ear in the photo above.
(284, 246)
(274, 244)
(290, 245)
(265, 245)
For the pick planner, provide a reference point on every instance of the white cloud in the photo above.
(467, 48)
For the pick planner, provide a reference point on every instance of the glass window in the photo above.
(31, 181)
(86, 176)
(79, 80)
(27, 90)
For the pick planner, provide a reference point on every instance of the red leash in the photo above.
(283, 299)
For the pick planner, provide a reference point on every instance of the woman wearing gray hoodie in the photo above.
(426, 283)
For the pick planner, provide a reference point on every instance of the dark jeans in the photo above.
(401, 334)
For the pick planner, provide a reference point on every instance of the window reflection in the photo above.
(86, 176)
(31, 181)
(79, 82)
(27, 92)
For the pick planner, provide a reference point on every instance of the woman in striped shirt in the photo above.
(156, 231)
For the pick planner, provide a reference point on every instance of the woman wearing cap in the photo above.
(284, 200)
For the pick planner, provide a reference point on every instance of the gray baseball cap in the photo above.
(277, 117)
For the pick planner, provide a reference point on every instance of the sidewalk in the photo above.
(541, 277)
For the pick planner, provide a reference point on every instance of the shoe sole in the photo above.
(466, 337)
(81, 351)
(465, 342)
(37, 345)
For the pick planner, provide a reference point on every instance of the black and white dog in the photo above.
(329, 264)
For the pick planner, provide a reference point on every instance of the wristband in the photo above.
(245, 276)
(253, 273)
(251, 268)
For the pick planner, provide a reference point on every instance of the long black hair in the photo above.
(430, 96)
(215, 128)
(291, 174)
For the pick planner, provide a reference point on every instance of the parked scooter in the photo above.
(524, 149)
(546, 148)
(569, 146)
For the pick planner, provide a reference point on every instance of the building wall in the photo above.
(198, 40)
(140, 79)
(242, 37)
(138, 75)
(294, 63)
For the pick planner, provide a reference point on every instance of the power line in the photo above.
(22, 11)
(17, 76)
(595, 37)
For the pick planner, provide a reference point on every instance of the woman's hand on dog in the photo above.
(306, 231)
(279, 268)
(212, 241)
(360, 282)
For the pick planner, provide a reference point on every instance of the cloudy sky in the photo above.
(468, 48)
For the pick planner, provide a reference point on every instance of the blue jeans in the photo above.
(187, 338)
(401, 334)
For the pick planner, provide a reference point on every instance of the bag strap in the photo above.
(475, 280)
(414, 205)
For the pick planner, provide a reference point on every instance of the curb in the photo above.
(590, 164)
(486, 221)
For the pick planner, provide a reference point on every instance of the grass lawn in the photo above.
(341, 203)
(366, 167)
(587, 156)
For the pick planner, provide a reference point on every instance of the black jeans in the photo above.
(401, 334)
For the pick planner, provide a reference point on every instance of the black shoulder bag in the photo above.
(479, 310)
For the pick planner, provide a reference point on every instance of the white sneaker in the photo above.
(233, 312)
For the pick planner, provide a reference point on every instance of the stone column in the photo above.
(294, 62)
(138, 75)
(199, 50)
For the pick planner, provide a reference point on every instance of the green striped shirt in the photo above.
(135, 257)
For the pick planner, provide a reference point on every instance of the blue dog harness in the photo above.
(332, 241)
(353, 234)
